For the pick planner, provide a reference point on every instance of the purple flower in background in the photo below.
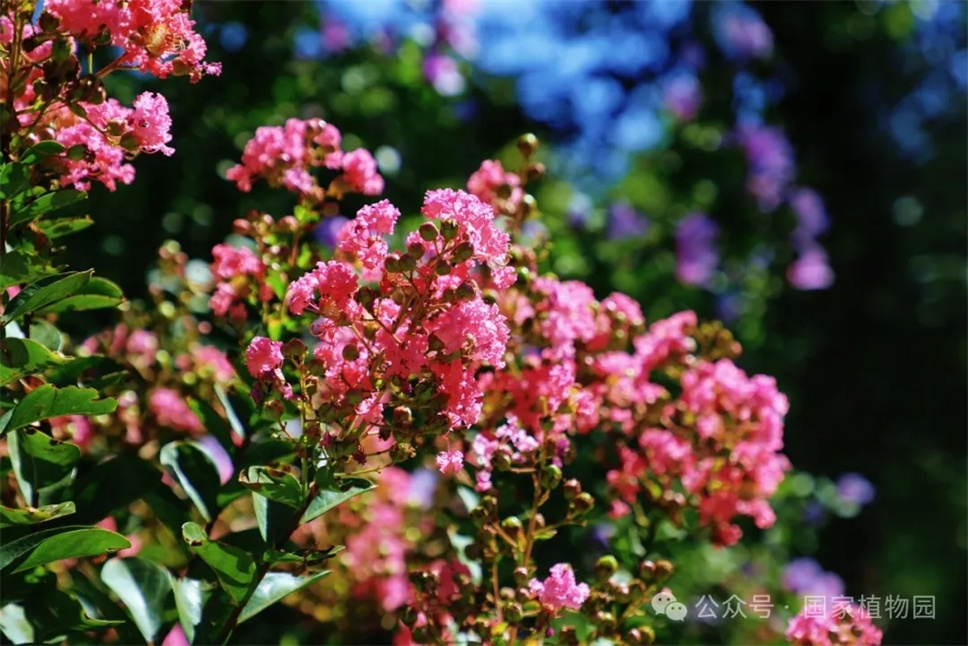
(696, 255)
(444, 74)
(335, 36)
(813, 512)
(771, 165)
(811, 270)
(805, 576)
(740, 32)
(579, 209)
(625, 222)
(855, 488)
(682, 97)
(327, 233)
(423, 485)
(812, 219)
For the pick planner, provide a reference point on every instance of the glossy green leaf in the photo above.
(274, 484)
(12, 517)
(14, 180)
(46, 616)
(97, 294)
(21, 357)
(274, 587)
(214, 423)
(40, 462)
(97, 493)
(144, 587)
(91, 372)
(46, 203)
(234, 567)
(326, 500)
(19, 267)
(273, 519)
(41, 150)
(60, 227)
(47, 401)
(60, 543)
(196, 473)
(190, 598)
(229, 403)
(44, 292)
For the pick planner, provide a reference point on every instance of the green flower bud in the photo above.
(606, 566)
(527, 145)
(428, 231)
(550, 476)
(449, 230)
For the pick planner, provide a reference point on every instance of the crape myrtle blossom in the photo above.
(560, 590)
(284, 156)
(844, 624)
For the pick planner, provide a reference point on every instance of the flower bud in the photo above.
(354, 396)
(274, 409)
(392, 264)
(401, 451)
(527, 145)
(583, 503)
(572, 488)
(428, 231)
(663, 569)
(402, 416)
(606, 566)
(463, 252)
(76, 152)
(464, 292)
(294, 349)
(522, 576)
(513, 612)
(501, 459)
(289, 223)
(442, 268)
(408, 262)
(130, 142)
(366, 296)
(535, 172)
(550, 476)
(351, 352)
(449, 230)
(416, 249)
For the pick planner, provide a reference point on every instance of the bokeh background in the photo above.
(797, 169)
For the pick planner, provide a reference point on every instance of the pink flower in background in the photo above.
(846, 623)
(263, 356)
(171, 409)
(559, 590)
(450, 462)
(360, 172)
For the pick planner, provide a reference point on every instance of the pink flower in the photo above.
(559, 590)
(172, 410)
(232, 261)
(845, 624)
(450, 462)
(263, 356)
(475, 220)
(489, 179)
(151, 123)
(360, 173)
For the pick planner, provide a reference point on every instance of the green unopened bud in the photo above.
(402, 416)
(535, 172)
(354, 396)
(550, 476)
(663, 569)
(606, 566)
(513, 612)
(572, 489)
(48, 22)
(479, 514)
(464, 292)
(449, 230)
(294, 349)
(501, 460)
(392, 264)
(416, 249)
(351, 352)
(408, 262)
(130, 142)
(647, 570)
(583, 503)
(428, 231)
(648, 635)
(522, 576)
(528, 204)
(401, 451)
(463, 252)
(366, 296)
(442, 268)
(527, 145)
(512, 525)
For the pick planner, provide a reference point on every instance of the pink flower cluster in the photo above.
(423, 323)
(849, 624)
(156, 36)
(285, 155)
(110, 134)
(495, 186)
(560, 590)
(239, 273)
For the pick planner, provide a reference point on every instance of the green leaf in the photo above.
(21, 357)
(274, 519)
(20, 267)
(196, 473)
(14, 624)
(235, 568)
(213, 423)
(273, 484)
(95, 372)
(60, 227)
(227, 402)
(309, 557)
(143, 586)
(273, 588)
(97, 493)
(190, 598)
(97, 294)
(44, 292)
(46, 616)
(326, 500)
(41, 463)
(47, 401)
(11, 517)
(14, 180)
(51, 545)
(41, 150)
(46, 203)
(47, 335)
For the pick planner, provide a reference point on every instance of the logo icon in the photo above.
(664, 603)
